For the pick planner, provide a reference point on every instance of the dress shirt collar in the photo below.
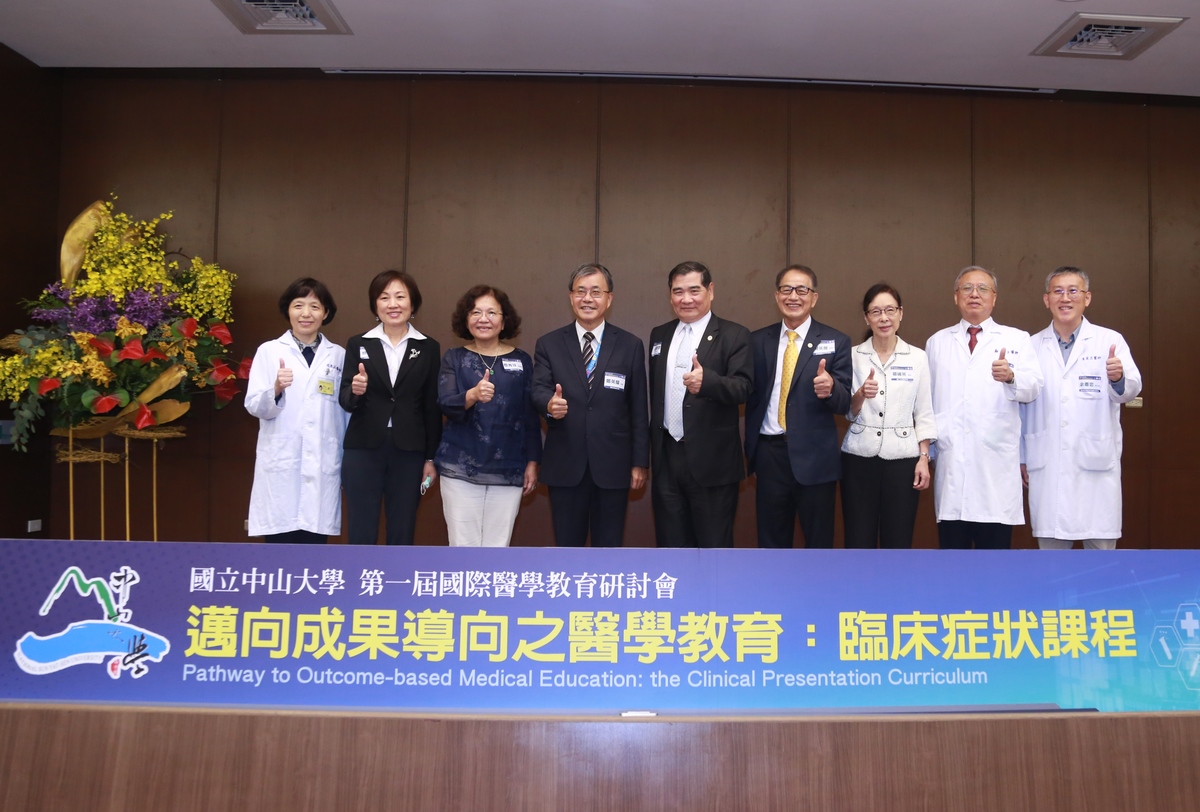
(699, 326)
(800, 330)
(598, 332)
(377, 332)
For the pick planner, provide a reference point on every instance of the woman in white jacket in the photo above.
(297, 496)
(885, 455)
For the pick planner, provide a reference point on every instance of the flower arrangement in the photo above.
(124, 336)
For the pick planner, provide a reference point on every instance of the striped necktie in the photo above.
(589, 357)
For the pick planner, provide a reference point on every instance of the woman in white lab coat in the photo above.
(297, 496)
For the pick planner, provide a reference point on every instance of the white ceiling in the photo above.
(946, 42)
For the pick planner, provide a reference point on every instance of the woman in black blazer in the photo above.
(389, 386)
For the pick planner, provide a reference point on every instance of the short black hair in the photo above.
(385, 278)
(306, 286)
(685, 268)
(804, 269)
(878, 288)
(466, 303)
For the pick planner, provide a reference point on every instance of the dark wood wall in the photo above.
(515, 182)
(136, 759)
(29, 153)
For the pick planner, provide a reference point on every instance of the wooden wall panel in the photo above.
(31, 99)
(119, 759)
(1174, 478)
(313, 177)
(503, 192)
(880, 189)
(1065, 184)
(692, 173)
(155, 143)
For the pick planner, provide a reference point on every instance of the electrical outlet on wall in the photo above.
(246, 525)
(33, 526)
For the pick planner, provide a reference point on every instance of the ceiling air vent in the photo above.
(283, 16)
(1107, 36)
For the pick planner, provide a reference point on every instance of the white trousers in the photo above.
(479, 515)
(1067, 544)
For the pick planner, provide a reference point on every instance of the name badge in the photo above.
(325, 386)
(1089, 385)
(903, 374)
(824, 347)
(362, 353)
(614, 380)
(513, 365)
(656, 349)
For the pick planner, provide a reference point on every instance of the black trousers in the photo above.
(576, 509)
(296, 537)
(779, 499)
(388, 475)
(879, 502)
(957, 535)
(686, 513)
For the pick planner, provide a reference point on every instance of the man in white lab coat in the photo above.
(981, 372)
(1071, 441)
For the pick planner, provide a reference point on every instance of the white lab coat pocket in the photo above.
(944, 421)
(998, 435)
(1095, 452)
(1035, 451)
(280, 453)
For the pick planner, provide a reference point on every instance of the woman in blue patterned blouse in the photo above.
(492, 443)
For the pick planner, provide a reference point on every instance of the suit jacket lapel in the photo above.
(710, 337)
(664, 355)
(606, 346)
(408, 361)
(574, 351)
(377, 359)
(811, 341)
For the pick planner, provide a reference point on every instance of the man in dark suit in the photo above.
(793, 449)
(700, 372)
(589, 380)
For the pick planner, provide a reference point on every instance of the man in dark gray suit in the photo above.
(589, 380)
(802, 372)
(700, 372)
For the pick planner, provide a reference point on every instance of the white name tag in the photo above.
(824, 348)
(656, 349)
(904, 374)
(1089, 385)
(513, 365)
(614, 380)
(362, 353)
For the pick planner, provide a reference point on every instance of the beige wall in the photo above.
(514, 182)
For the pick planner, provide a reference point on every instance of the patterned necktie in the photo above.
(790, 355)
(974, 331)
(675, 387)
(589, 357)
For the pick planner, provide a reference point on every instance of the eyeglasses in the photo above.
(982, 290)
(478, 314)
(581, 293)
(888, 311)
(799, 290)
(1067, 293)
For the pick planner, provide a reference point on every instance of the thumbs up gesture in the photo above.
(485, 390)
(823, 382)
(283, 378)
(358, 384)
(870, 387)
(1002, 371)
(1116, 371)
(557, 407)
(693, 378)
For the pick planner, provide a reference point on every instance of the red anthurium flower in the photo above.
(187, 327)
(145, 417)
(103, 347)
(220, 332)
(152, 354)
(220, 372)
(225, 391)
(105, 404)
(132, 351)
(244, 368)
(48, 385)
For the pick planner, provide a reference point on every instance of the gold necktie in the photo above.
(789, 370)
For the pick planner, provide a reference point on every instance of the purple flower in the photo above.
(52, 315)
(150, 308)
(94, 315)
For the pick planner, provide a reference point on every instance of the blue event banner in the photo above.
(597, 631)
